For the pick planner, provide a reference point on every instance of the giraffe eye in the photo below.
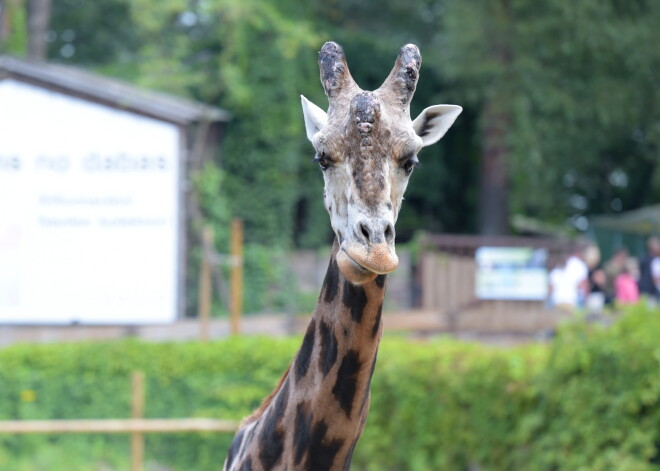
(410, 164)
(322, 160)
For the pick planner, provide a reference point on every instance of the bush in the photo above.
(92, 380)
(589, 401)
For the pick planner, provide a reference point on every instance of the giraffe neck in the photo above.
(313, 419)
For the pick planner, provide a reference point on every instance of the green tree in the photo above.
(253, 58)
(560, 98)
(13, 27)
(99, 34)
(567, 100)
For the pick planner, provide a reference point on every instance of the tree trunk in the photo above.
(494, 179)
(496, 121)
(38, 24)
(4, 22)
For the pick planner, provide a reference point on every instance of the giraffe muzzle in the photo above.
(363, 262)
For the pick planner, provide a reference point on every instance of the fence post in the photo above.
(236, 275)
(205, 287)
(137, 438)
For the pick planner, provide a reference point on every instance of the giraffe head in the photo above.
(366, 145)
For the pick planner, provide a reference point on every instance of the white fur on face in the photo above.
(338, 189)
(367, 145)
(342, 198)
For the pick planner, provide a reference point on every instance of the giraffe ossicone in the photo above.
(366, 145)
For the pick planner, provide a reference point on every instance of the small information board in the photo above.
(511, 273)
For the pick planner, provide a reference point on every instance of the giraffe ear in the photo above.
(315, 117)
(434, 121)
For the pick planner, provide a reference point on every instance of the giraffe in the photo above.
(366, 146)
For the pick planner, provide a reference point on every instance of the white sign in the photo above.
(515, 273)
(88, 211)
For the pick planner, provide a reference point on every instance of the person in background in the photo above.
(625, 284)
(561, 294)
(569, 282)
(598, 296)
(577, 273)
(613, 268)
(598, 288)
(649, 270)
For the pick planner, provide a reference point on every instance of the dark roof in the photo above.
(111, 92)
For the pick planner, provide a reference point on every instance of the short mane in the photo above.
(266, 402)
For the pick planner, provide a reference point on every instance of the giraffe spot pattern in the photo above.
(354, 298)
(328, 355)
(303, 431)
(310, 440)
(247, 466)
(380, 279)
(322, 451)
(305, 353)
(374, 329)
(235, 447)
(272, 434)
(331, 282)
(346, 385)
(349, 456)
(366, 391)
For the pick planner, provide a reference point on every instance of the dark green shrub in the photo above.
(589, 401)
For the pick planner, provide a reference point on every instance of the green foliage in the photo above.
(254, 58)
(223, 380)
(16, 22)
(588, 401)
(208, 183)
(97, 33)
(272, 285)
(575, 80)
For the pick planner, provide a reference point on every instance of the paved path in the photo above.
(489, 327)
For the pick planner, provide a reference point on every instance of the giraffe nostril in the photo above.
(365, 231)
(389, 233)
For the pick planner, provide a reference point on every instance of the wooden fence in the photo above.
(136, 426)
(447, 279)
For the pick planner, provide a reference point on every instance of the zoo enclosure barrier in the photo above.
(446, 280)
(136, 426)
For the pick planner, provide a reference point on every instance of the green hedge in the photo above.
(587, 401)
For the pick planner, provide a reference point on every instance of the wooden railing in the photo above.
(136, 426)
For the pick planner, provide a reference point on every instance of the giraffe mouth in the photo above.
(362, 262)
(355, 264)
(352, 270)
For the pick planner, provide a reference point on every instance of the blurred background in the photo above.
(156, 182)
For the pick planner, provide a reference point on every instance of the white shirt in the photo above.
(576, 269)
(655, 271)
(566, 280)
(562, 288)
